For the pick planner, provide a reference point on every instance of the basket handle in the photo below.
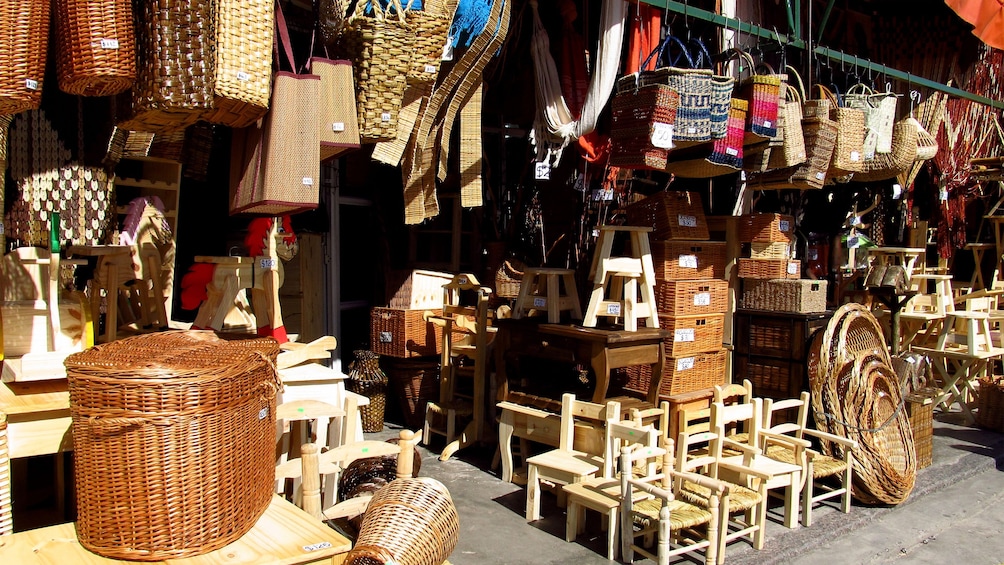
(861, 88)
(801, 86)
(287, 45)
(700, 56)
(665, 53)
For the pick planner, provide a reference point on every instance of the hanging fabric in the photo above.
(645, 35)
(574, 68)
(555, 127)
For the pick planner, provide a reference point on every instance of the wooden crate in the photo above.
(688, 260)
(420, 289)
(784, 295)
(693, 334)
(671, 215)
(397, 332)
(766, 228)
(691, 298)
(681, 374)
(770, 268)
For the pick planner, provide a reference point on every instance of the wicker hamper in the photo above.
(174, 442)
(415, 382)
(766, 228)
(688, 260)
(398, 332)
(681, 374)
(784, 295)
(990, 403)
(671, 215)
(693, 334)
(920, 409)
(691, 298)
(770, 268)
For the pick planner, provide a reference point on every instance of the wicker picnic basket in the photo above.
(175, 50)
(720, 157)
(430, 26)
(380, 48)
(508, 278)
(366, 378)
(95, 47)
(174, 442)
(411, 521)
(23, 49)
(671, 215)
(773, 250)
(242, 77)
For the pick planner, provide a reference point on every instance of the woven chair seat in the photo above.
(740, 497)
(822, 465)
(682, 514)
(462, 407)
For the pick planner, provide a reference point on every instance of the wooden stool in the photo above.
(540, 290)
(627, 276)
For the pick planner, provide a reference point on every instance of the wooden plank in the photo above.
(312, 306)
(39, 437)
(17, 399)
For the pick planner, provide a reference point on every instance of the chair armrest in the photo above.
(347, 508)
(702, 480)
(743, 469)
(745, 448)
(786, 440)
(651, 489)
(846, 442)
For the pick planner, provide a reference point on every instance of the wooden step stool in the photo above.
(540, 290)
(626, 276)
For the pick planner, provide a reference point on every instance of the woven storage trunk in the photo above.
(397, 332)
(779, 379)
(693, 334)
(409, 521)
(671, 215)
(784, 295)
(174, 46)
(174, 442)
(776, 250)
(23, 48)
(242, 77)
(920, 409)
(691, 298)
(770, 268)
(688, 260)
(420, 289)
(681, 374)
(96, 47)
(766, 228)
(990, 403)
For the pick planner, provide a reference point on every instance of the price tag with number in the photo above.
(784, 226)
(685, 334)
(702, 299)
(541, 171)
(539, 302)
(792, 268)
(429, 69)
(109, 43)
(684, 363)
(686, 221)
(337, 126)
(308, 181)
(662, 135)
(386, 337)
(243, 76)
(688, 261)
(613, 309)
(385, 117)
(732, 151)
(31, 84)
(268, 264)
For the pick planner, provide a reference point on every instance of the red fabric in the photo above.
(987, 17)
(644, 36)
(574, 70)
(194, 283)
(279, 334)
(594, 147)
(258, 231)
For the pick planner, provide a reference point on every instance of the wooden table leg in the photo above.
(601, 368)
(506, 425)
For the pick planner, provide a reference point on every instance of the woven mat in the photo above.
(416, 96)
(470, 150)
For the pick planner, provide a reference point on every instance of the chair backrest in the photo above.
(657, 416)
(747, 416)
(572, 409)
(699, 450)
(734, 393)
(24, 274)
(771, 408)
(623, 433)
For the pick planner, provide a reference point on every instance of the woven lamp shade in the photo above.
(23, 48)
(95, 47)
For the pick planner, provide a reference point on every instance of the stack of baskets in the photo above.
(770, 276)
(690, 292)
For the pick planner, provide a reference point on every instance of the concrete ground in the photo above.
(955, 514)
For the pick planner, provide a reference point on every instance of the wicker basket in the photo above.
(430, 26)
(819, 137)
(180, 427)
(766, 228)
(681, 374)
(720, 157)
(691, 298)
(23, 50)
(96, 47)
(693, 334)
(671, 215)
(990, 403)
(763, 92)
(411, 521)
(508, 279)
(688, 260)
(242, 77)
(415, 382)
(770, 268)
(776, 250)
(397, 332)
(791, 152)
(897, 161)
(366, 378)
(920, 409)
(169, 96)
(784, 295)
(848, 153)
(693, 116)
(642, 122)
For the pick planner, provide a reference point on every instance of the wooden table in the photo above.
(283, 535)
(905, 256)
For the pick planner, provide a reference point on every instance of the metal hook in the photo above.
(914, 99)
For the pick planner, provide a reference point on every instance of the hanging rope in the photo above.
(553, 111)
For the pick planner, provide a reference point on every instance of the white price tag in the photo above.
(308, 181)
(385, 117)
(539, 302)
(702, 299)
(613, 309)
(541, 171)
(768, 124)
(820, 176)
(684, 363)
(31, 84)
(686, 221)
(109, 43)
(897, 191)
(792, 268)
(853, 242)
(688, 261)
(317, 546)
(263, 413)
(243, 76)
(268, 264)
(943, 194)
(430, 69)
(685, 334)
(691, 130)
(784, 226)
(662, 135)
(338, 126)
(855, 156)
(386, 337)
(732, 151)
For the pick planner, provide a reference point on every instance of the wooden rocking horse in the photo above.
(214, 285)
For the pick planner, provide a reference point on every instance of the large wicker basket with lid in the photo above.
(174, 439)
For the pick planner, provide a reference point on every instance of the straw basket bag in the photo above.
(430, 25)
(880, 116)
(23, 48)
(762, 90)
(643, 118)
(96, 47)
(242, 79)
(899, 160)
(725, 155)
(169, 96)
(792, 150)
(722, 86)
(693, 115)
(820, 138)
(380, 48)
(848, 153)
(338, 124)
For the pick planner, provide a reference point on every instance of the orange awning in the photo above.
(986, 15)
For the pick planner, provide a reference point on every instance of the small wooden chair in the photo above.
(565, 465)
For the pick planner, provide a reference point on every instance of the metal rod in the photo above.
(826, 19)
(791, 16)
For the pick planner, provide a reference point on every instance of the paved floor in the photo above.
(955, 514)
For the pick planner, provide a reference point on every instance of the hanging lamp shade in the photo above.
(987, 17)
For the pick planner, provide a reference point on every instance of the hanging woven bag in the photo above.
(880, 116)
(642, 123)
(719, 157)
(693, 116)
(95, 47)
(23, 48)
(792, 150)
(848, 155)
(722, 85)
